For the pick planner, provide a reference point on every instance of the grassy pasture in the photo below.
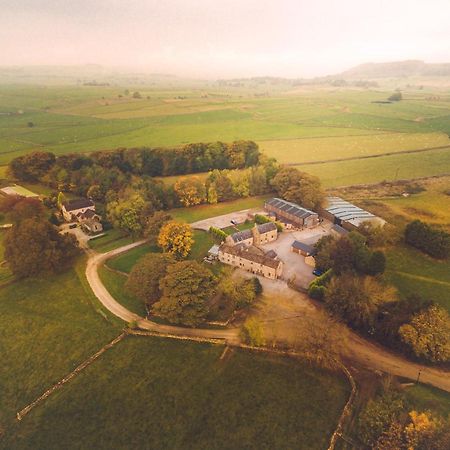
(112, 239)
(48, 326)
(328, 148)
(414, 273)
(181, 395)
(202, 212)
(373, 170)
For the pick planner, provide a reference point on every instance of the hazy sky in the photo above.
(224, 38)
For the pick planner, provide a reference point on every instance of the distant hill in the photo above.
(396, 69)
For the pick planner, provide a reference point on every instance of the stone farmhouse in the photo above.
(290, 214)
(252, 259)
(258, 235)
(83, 211)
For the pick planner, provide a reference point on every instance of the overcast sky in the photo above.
(212, 38)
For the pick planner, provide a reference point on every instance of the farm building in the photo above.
(259, 234)
(18, 191)
(77, 209)
(303, 249)
(290, 214)
(252, 259)
(92, 226)
(337, 230)
(346, 215)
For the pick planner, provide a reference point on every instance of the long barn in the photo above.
(290, 214)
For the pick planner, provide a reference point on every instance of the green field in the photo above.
(296, 126)
(414, 273)
(202, 212)
(423, 398)
(159, 393)
(48, 326)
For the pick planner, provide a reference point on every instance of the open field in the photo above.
(268, 402)
(112, 239)
(294, 125)
(414, 273)
(48, 326)
(202, 212)
(423, 397)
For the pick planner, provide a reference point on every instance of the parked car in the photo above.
(73, 225)
(317, 272)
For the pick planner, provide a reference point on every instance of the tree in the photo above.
(432, 241)
(395, 97)
(34, 245)
(137, 94)
(357, 299)
(154, 225)
(19, 208)
(144, 279)
(324, 246)
(376, 264)
(428, 334)
(253, 332)
(176, 238)
(223, 185)
(186, 289)
(190, 191)
(390, 439)
(378, 415)
(32, 166)
(421, 430)
(212, 195)
(298, 187)
(379, 235)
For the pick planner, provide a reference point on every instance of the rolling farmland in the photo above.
(328, 132)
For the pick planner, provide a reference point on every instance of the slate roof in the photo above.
(79, 203)
(272, 254)
(267, 227)
(89, 214)
(250, 254)
(242, 235)
(304, 247)
(290, 208)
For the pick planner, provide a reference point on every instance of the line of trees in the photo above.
(431, 241)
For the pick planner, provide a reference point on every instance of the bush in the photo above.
(317, 287)
(253, 332)
(217, 232)
(259, 218)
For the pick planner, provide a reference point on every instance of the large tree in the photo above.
(19, 208)
(34, 245)
(190, 191)
(176, 238)
(186, 289)
(428, 334)
(32, 166)
(154, 225)
(144, 279)
(298, 187)
(357, 299)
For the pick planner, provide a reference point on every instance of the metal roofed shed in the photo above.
(346, 214)
(303, 249)
(19, 191)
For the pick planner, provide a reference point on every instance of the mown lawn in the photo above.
(202, 212)
(160, 393)
(414, 273)
(115, 284)
(125, 261)
(109, 241)
(48, 325)
(423, 397)
(203, 241)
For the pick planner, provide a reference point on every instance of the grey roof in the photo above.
(344, 210)
(271, 254)
(242, 235)
(79, 203)
(266, 227)
(290, 208)
(339, 229)
(304, 247)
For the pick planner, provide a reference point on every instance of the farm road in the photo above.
(357, 349)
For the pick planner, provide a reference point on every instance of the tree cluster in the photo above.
(431, 241)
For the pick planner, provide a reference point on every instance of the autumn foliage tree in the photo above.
(33, 246)
(186, 289)
(176, 238)
(154, 225)
(146, 274)
(190, 191)
(428, 334)
(17, 208)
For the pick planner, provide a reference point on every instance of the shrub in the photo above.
(317, 287)
(253, 332)
(217, 232)
(432, 241)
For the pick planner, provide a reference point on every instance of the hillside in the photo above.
(397, 69)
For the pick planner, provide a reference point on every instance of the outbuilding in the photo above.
(303, 249)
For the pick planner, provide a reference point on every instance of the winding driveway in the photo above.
(230, 335)
(359, 350)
